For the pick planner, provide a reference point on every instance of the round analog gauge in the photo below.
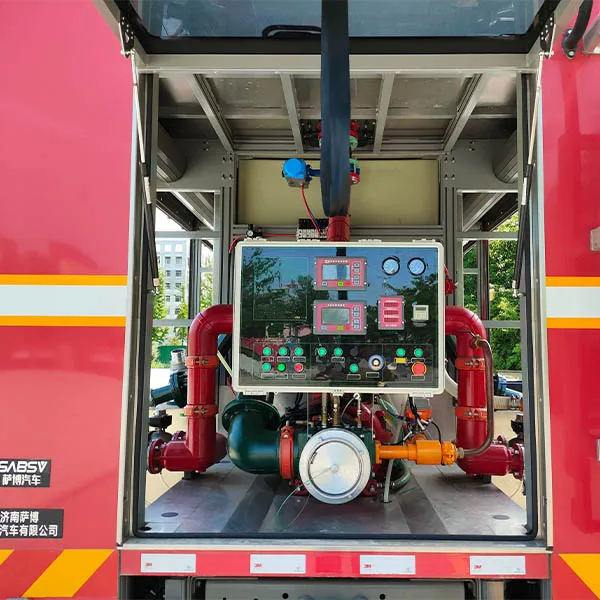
(416, 266)
(390, 265)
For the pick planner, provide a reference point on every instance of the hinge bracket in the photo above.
(127, 37)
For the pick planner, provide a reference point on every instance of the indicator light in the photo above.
(418, 352)
(266, 367)
(419, 369)
(281, 367)
(338, 352)
(401, 352)
(322, 351)
(298, 351)
(298, 367)
(353, 368)
(283, 351)
(267, 351)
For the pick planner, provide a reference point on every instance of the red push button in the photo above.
(298, 367)
(419, 369)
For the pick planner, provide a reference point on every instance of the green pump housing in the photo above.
(254, 426)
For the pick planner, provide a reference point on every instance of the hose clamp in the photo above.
(202, 411)
(468, 413)
(202, 362)
(470, 363)
(286, 452)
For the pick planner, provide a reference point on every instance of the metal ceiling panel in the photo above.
(175, 90)
(500, 90)
(488, 129)
(263, 92)
(427, 93)
(254, 126)
(189, 129)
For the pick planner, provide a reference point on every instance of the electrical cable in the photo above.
(237, 238)
(309, 212)
(438, 430)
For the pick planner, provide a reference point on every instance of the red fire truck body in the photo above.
(69, 254)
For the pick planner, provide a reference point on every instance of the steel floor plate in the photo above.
(436, 501)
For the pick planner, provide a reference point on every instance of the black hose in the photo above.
(573, 36)
(335, 108)
(489, 396)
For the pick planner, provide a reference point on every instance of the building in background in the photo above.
(173, 261)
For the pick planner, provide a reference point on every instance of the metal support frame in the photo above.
(476, 206)
(487, 235)
(186, 112)
(365, 65)
(197, 204)
(473, 90)
(204, 95)
(383, 104)
(291, 103)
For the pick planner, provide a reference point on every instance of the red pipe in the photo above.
(202, 446)
(471, 424)
(338, 229)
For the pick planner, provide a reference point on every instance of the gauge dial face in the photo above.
(390, 265)
(416, 266)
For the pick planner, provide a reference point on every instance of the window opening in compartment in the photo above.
(169, 19)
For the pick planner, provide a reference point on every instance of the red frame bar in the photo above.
(429, 565)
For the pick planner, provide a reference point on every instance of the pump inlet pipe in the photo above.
(477, 452)
(201, 446)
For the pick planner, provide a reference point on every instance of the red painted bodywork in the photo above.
(571, 130)
(65, 123)
(202, 446)
(497, 459)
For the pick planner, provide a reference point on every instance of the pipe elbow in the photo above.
(207, 326)
(462, 320)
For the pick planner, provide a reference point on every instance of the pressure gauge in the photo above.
(416, 266)
(390, 265)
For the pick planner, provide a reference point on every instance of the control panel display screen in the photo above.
(339, 272)
(336, 316)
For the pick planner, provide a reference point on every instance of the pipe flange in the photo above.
(335, 466)
(241, 404)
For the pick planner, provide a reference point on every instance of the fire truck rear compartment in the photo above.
(444, 146)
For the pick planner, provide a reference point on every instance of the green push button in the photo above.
(267, 351)
(401, 352)
(266, 367)
(353, 368)
(418, 352)
(281, 367)
(298, 351)
(322, 351)
(283, 351)
(338, 352)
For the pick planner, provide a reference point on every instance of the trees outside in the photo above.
(506, 343)
(160, 311)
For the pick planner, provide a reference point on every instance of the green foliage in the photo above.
(160, 310)
(181, 333)
(506, 343)
(206, 290)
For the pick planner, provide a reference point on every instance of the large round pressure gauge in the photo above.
(335, 466)
(416, 266)
(390, 265)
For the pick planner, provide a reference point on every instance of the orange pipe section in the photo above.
(423, 452)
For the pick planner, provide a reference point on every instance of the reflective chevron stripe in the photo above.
(573, 302)
(88, 573)
(63, 300)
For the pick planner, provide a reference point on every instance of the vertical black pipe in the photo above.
(335, 107)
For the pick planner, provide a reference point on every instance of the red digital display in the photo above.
(340, 272)
(391, 313)
(340, 318)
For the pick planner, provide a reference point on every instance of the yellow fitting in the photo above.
(423, 452)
